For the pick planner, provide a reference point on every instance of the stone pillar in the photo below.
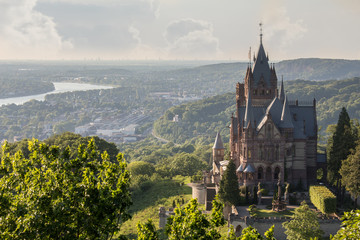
(162, 217)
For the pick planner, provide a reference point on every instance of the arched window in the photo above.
(261, 156)
(260, 173)
(268, 174)
(276, 173)
(277, 157)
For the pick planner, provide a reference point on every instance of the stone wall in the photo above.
(199, 192)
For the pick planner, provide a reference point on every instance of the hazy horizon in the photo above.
(177, 30)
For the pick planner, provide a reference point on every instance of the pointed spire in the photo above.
(282, 92)
(261, 34)
(218, 142)
(249, 114)
(286, 121)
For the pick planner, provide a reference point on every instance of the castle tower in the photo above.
(218, 149)
(218, 156)
(260, 80)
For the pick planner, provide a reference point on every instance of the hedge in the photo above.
(323, 199)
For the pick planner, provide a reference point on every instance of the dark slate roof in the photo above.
(249, 169)
(306, 113)
(321, 158)
(286, 121)
(240, 168)
(281, 91)
(275, 110)
(302, 113)
(261, 67)
(218, 142)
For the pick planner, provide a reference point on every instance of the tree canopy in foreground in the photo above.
(51, 195)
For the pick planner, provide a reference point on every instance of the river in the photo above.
(60, 87)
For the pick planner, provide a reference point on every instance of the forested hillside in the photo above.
(21, 87)
(199, 121)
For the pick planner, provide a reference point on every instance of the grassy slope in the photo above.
(146, 204)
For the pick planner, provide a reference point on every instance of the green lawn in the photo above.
(269, 213)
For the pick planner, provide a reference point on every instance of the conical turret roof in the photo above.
(261, 67)
(218, 142)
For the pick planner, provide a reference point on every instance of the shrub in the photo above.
(323, 199)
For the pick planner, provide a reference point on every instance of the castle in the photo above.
(271, 137)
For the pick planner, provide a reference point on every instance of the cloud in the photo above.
(102, 28)
(191, 39)
(280, 31)
(25, 32)
(278, 24)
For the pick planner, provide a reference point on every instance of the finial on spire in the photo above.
(261, 34)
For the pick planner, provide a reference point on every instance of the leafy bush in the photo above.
(323, 199)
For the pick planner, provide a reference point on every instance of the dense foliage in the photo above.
(51, 195)
(304, 224)
(323, 199)
(188, 222)
(338, 148)
(350, 227)
(350, 173)
(198, 120)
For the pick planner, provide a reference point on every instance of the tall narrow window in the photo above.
(260, 173)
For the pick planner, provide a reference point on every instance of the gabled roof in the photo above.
(286, 120)
(275, 110)
(218, 144)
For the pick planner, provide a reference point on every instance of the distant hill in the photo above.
(303, 68)
(318, 69)
(199, 121)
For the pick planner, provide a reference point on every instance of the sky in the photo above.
(178, 29)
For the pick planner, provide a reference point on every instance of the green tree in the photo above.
(229, 187)
(339, 147)
(53, 196)
(147, 231)
(350, 227)
(186, 164)
(141, 168)
(350, 172)
(189, 222)
(304, 224)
